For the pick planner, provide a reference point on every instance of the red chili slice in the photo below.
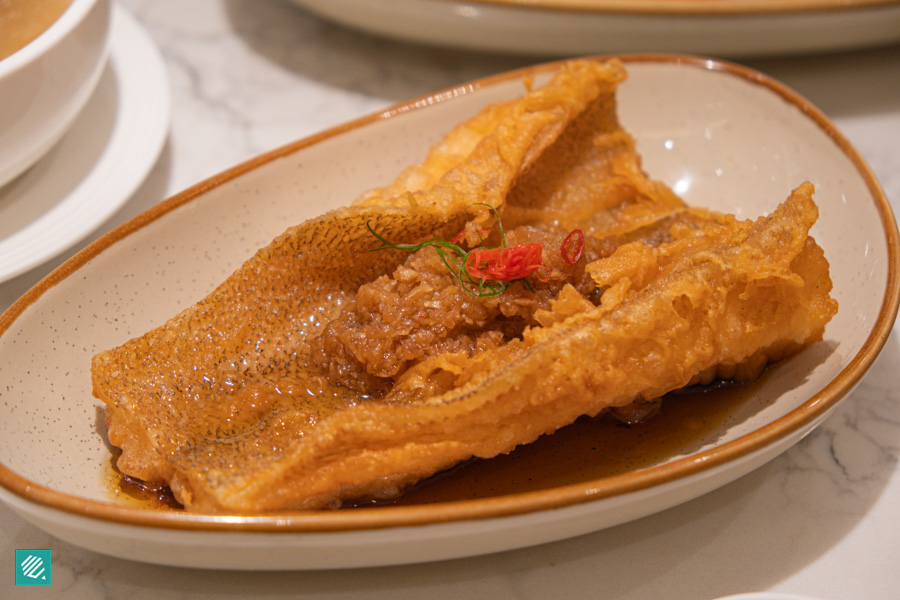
(575, 241)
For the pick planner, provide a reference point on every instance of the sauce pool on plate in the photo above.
(589, 449)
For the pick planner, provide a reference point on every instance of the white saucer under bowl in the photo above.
(100, 162)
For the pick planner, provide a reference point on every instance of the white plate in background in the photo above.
(730, 28)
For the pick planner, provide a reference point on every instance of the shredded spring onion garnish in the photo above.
(483, 271)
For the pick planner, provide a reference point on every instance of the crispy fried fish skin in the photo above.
(231, 368)
(227, 403)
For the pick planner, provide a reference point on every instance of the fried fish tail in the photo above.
(213, 389)
(235, 404)
(752, 291)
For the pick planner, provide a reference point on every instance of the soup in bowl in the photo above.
(48, 71)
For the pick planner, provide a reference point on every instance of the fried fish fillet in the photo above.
(295, 385)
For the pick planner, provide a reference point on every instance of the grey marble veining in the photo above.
(254, 75)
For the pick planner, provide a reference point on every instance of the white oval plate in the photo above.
(96, 167)
(735, 28)
(724, 136)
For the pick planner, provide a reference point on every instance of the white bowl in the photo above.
(45, 84)
(725, 136)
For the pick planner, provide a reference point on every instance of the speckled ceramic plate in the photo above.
(723, 136)
(766, 596)
(573, 27)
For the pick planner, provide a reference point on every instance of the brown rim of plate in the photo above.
(721, 8)
(500, 506)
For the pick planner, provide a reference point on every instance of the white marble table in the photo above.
(822, 520)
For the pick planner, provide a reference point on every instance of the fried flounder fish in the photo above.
(297, 384)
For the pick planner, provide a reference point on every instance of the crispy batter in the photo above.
(297, 385)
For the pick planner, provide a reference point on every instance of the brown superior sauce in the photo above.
(587, 450)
